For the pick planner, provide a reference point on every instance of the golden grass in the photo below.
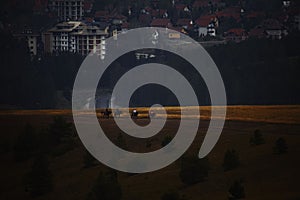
(288, 114)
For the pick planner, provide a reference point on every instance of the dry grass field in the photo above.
(265, 174)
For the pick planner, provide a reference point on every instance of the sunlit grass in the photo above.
(289, 114)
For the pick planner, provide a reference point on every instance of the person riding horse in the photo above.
(106, 113)
(134, 114)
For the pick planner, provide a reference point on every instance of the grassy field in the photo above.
(265, 175)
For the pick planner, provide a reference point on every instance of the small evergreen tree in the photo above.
(39, 179)
(236, 190)
(26, 144)
(193, 170)
(106, 187)
(231, 160)
(280, 146)
(257, 138)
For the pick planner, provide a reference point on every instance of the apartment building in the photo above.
(67, 9)
(75, 37)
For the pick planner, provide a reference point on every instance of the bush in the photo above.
(236, 190)
(170, 196)
(106, 187)
(63, 148)
(166, 141)
(257, 138)
(39, 179)
(280, 146)
(231, 160)
(193, 170)
(89, 160)
(26, 144)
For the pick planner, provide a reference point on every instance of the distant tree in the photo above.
(89, 160)
(257, 138)
(106, 187)
(148, 143)
(170, 196)
(280, 146)
(167, 139)
(120, 141)
(60, 130)
(26, 144)
(231, 160)
(39, 179)
(236, 190)
(193, 170)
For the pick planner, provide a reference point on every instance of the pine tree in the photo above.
(39, 179)
(106, 187)
(231, 160)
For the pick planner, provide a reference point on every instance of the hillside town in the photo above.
(81, 26)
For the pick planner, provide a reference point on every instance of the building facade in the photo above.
(75, 37)
(72, 10)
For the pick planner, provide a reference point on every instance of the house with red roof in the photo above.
(180, 7)
(234, 12)
(236, 35)
(200, 4)
(274, 29)
(257, 32)
(158, 13)
(161, 22)
(145, 19)
(207, 25)
(185, 23)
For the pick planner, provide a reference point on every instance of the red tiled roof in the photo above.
(272, 24)
(203, 21)
(200, 3)
(121, 17)
(180, 7)
(145, 19)
(255, 14)
(237, 31)
(161, 22)
(236, 16)
(257, 32)
(183, 22)
(158, 13)
(101, 13)
(230, 12)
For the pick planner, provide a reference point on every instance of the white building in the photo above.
(75, 37)
(211, 30)
(67, 9)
